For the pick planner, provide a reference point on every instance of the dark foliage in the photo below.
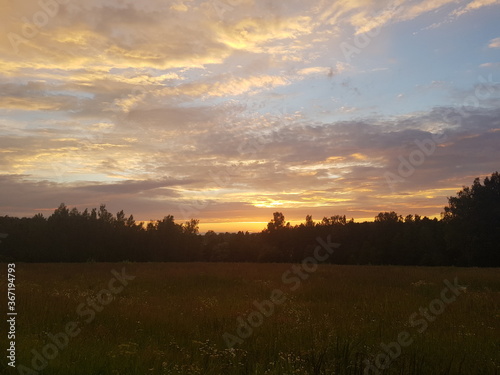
(467, 235)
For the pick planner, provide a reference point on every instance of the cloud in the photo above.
(141, 198)
(300, 169)
(490, 65)
(99, 34)
(494, 43)
(324, 70)
(147, 104)
(180, 7)
(253, 34)
(365, 23)
(423, 7)
(134, 187)
(314, 70)
(370, 15)
(474, 5)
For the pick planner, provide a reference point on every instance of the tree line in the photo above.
(468, 234)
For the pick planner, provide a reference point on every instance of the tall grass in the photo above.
(170, 319)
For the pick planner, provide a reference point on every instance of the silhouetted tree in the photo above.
(191, 226)
(309, 221)
(277, 223)
(388, 217)
(473, 219)
(468, 234)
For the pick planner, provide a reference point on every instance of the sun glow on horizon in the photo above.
(188, 111)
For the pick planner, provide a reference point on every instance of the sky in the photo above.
(229, 110)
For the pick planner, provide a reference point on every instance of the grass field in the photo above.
(171, 318)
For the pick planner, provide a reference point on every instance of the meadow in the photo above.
(175, 318)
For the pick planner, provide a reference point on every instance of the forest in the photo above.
(467, 234)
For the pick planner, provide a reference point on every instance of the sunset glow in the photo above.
(229, 111)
